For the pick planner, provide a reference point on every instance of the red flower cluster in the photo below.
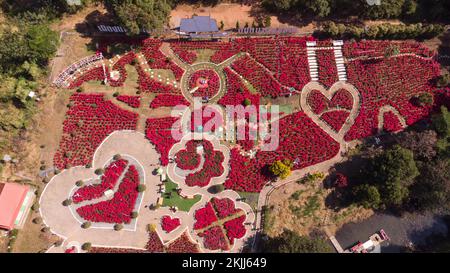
(207, 115)
(168, 100)
(212, 167)
(133, 101)
(185, 55)
(88, 121)
(235, 228)
(319, 103)
(223, 50)
(108, 181)
(157, 60)
(93, 74)
(327, 67)
(371, 48)
(379, 82)
(188, 159)
(119, 208)
(214, 239)
(391, 122)
(154, 244)
(340, 181)
(224, 207)
(300, 140)
(159, 132)
(259, 77)
(120, 66)
(236, 91)
(207, 82)
(168, 224)
(183, 244)
(213, 234)
(147, 84)
(205, 217)
(286, 58)
(335, 118)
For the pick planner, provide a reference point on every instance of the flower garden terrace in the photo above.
(329, 92)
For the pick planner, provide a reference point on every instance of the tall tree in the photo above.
(138, 15)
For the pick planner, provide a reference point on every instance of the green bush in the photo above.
(86, 246)
(67, 202)
(86, 225)
(141, 188)
(79, 183)
(118, 227)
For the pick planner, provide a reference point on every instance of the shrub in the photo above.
(99, 171)
(118, 227)
(37, 220)
(86, 246)
(67, 202)
(134, 214)
(141, 188)
(79, 183)
(117, 157)
(35, 206)
(281, 169)
(86, 225)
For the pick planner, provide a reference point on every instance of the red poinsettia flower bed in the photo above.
(216, 233)
(214, 239)
(390, 81)
(118, 209)
(205, 216)
(371, 48)
(327, 67)
(235, 228)
(188, 159)
(391, 122)
(168, 223)
(108, 181)
(206, 81)
(286, 58)
(147, 84)
(206, 119)
(168, 100)
(237, 93)
(157, 60)
(342, 99)
(259, 77)
(300, 138)
(183, 244)
(335, 118)
(154, 244)
(159, 132)
(185, 55)
(88, 122)
(133, 101)
(93, 74)
(317, 101)
(120, 66)
(224, 207)
(212, 167)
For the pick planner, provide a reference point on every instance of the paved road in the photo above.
(413, 228)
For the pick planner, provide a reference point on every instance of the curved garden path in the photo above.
(388, 108)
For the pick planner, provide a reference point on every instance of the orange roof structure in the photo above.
(12, 196)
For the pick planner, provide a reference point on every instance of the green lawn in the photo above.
(251, 198)
(174, 199)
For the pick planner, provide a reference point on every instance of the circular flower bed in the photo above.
(206, 81)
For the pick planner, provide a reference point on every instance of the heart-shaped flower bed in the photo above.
(119, 208)
(169, 224)
(335, 108)
(108, 181)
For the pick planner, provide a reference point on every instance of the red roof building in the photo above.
(13, 197)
